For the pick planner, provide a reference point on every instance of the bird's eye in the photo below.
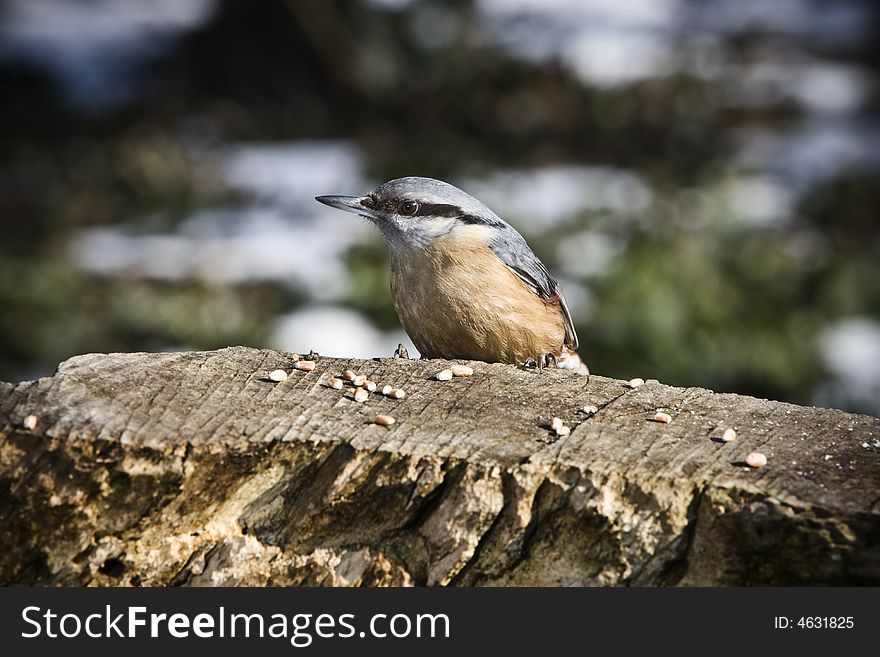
(409, 207)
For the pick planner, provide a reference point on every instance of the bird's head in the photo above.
(413, 211)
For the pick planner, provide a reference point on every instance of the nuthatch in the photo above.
(465, 283)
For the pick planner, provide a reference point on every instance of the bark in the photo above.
(196, 469)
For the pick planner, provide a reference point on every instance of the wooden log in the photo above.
(197, 469)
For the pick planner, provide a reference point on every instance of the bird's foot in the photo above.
(567, 360)
(400, 352)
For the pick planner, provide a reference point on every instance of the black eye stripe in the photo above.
(438, 210)
(455, 212)
(446, 210)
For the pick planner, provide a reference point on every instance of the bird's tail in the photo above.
(570, 360)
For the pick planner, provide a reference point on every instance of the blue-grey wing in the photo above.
(510, 246)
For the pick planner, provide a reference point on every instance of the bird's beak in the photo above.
(349, 204)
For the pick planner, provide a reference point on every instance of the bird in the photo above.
(464, 282)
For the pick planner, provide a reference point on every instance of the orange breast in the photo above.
(457, 299)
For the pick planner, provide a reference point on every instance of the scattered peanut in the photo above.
(305, 365)
(557, 425)
(336, 384)
(756, 460)
(384, 420)
(728, 436)
(635, 383)
(660, 416)
(398, 393)
(348, 375)
(387, 390)
(444, 375)
(590, 409)
(361, 395)
(359, 380)
(461, 370)
(278, 376)
(29, 422)
(370, 385)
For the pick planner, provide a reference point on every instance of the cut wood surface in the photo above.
(197, 469)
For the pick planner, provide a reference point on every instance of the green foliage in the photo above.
(696, 296)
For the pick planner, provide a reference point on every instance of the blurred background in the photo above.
(703, 177)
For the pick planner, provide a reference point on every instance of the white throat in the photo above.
(417, 233)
